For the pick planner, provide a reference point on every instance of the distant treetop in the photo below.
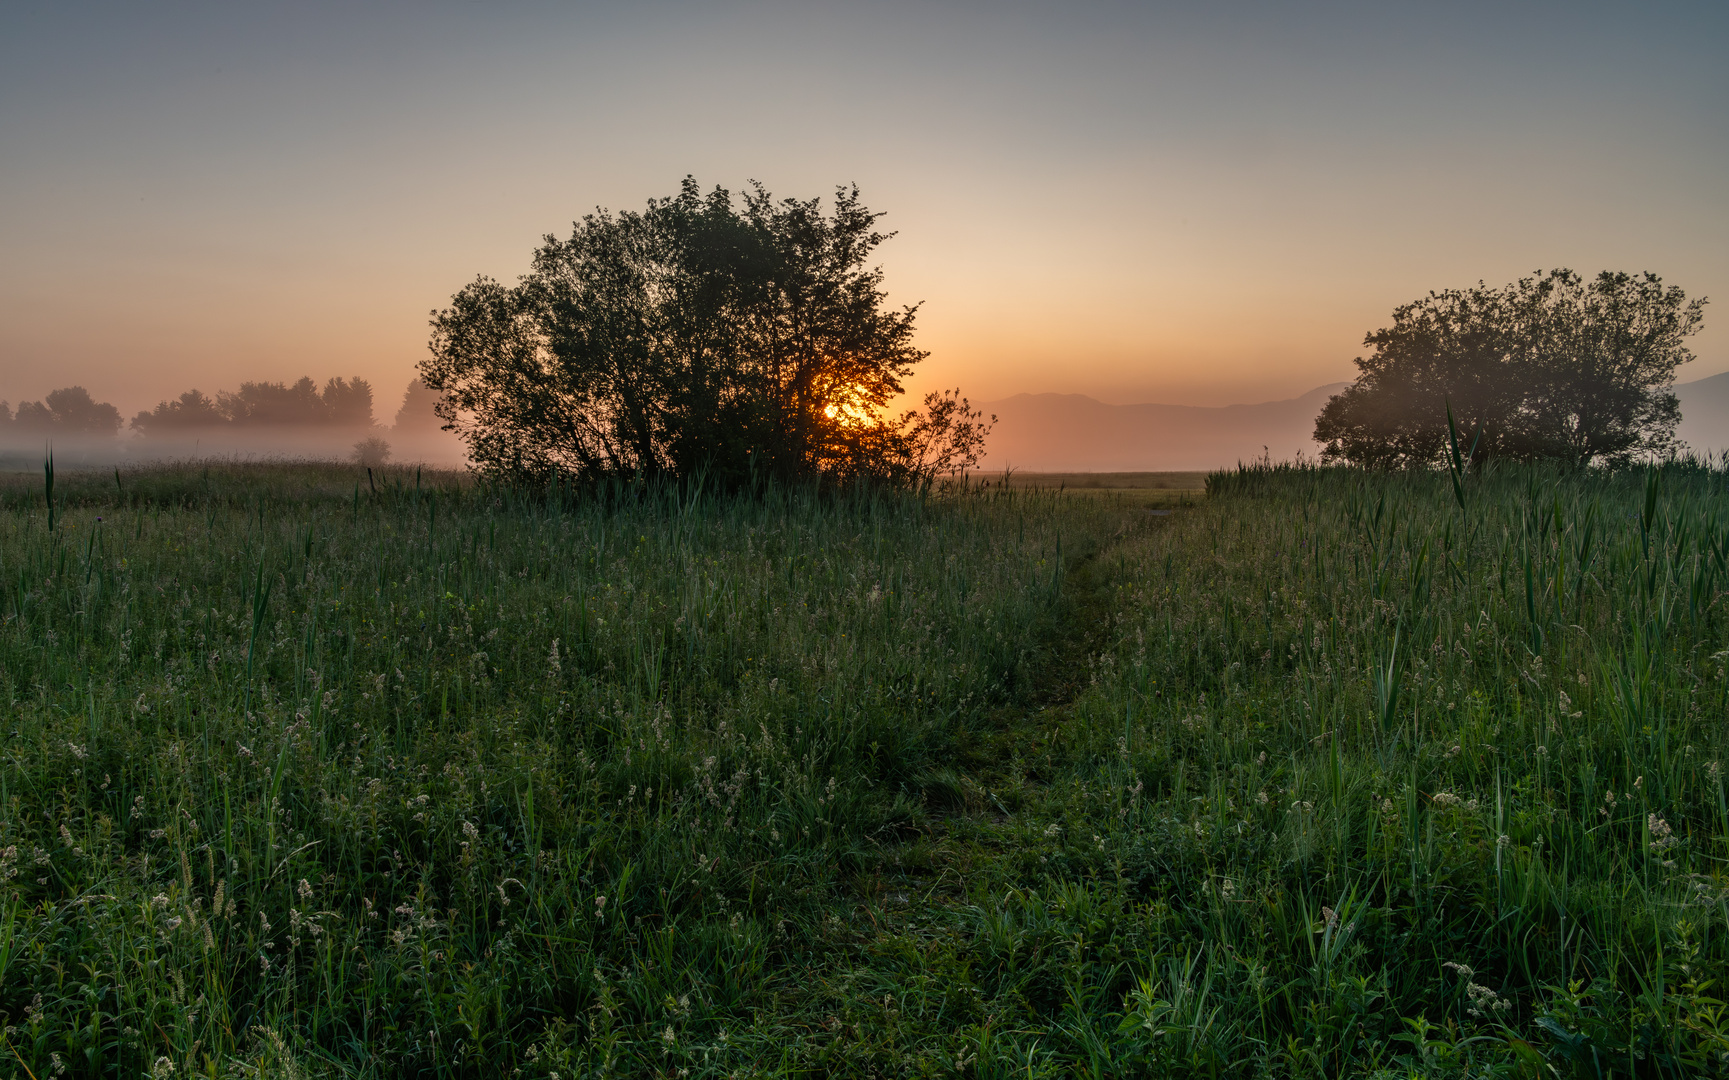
(418, 413)
(344, 404)
(69, 411)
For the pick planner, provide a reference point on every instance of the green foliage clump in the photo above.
(735, 339)
(1552, 367)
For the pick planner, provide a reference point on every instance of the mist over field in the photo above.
(1034, 432)
(260, 422)
(28, 452)
(1075, 433)
(976, 540)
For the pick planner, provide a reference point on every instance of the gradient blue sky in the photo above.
(1203, 203)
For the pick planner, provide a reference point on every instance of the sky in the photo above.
(1196, 204)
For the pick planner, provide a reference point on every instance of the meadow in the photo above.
(313, 773)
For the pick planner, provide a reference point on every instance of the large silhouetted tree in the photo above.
(1552, 366)
(733, 336)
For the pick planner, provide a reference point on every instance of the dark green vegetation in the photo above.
(707, 335)
(1548, 368)
(1332, 774)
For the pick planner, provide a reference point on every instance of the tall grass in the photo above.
(1418, 780)
(313, 771)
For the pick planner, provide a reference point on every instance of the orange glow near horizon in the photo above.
(1133, 204)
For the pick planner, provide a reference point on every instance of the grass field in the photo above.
(1321, 774)
(1159, 489)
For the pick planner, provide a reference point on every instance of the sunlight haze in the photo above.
(1140, 203)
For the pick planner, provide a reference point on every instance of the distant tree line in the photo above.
(286, 417)
(1550, 367)
(343, 404)
(69, 411)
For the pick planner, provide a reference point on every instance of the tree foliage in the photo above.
(735, 337)
(418, 413)
(343, 403)
(1548, 367)
(67, 411)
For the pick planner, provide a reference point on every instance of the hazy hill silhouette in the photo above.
(1704, 413)
(1075, 433)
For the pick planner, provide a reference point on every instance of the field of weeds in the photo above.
(314, 773)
